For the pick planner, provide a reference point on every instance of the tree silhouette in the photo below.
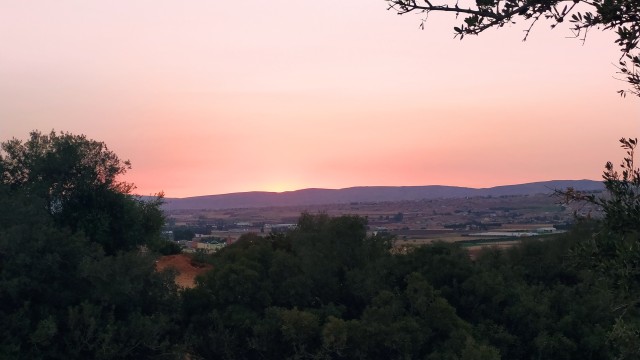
(621, 16)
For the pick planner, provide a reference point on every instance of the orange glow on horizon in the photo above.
(279, 187)
(205, 99)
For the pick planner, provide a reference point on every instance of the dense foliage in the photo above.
(613, 251)
(78, 285)
(327, 291)
(73, 282)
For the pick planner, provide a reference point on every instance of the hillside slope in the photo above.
(367, 194)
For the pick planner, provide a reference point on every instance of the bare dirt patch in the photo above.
(183, 264)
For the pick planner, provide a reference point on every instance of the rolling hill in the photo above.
(367, 194)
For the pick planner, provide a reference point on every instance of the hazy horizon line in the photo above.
(372, 186)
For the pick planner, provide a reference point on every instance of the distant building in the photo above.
(279, 228)
(546, 230)
(210, 247)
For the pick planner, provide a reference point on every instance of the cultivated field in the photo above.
(412, 223)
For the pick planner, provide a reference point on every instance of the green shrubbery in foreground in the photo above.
(75, 285)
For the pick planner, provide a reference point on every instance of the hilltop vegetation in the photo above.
(77, 283)
(73, 282)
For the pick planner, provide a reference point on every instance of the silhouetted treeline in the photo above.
(326, 290)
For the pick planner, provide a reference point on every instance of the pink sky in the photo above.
(209, 97)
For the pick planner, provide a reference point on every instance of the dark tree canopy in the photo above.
(621, 16)
(77, 181)
(58, 167)
(73, 281)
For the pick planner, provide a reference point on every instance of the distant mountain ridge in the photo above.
(313, 196)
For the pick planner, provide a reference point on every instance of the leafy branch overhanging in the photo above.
(621, 16)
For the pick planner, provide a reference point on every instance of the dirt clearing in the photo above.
(182, 263)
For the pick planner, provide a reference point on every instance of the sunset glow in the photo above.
(217, 97)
